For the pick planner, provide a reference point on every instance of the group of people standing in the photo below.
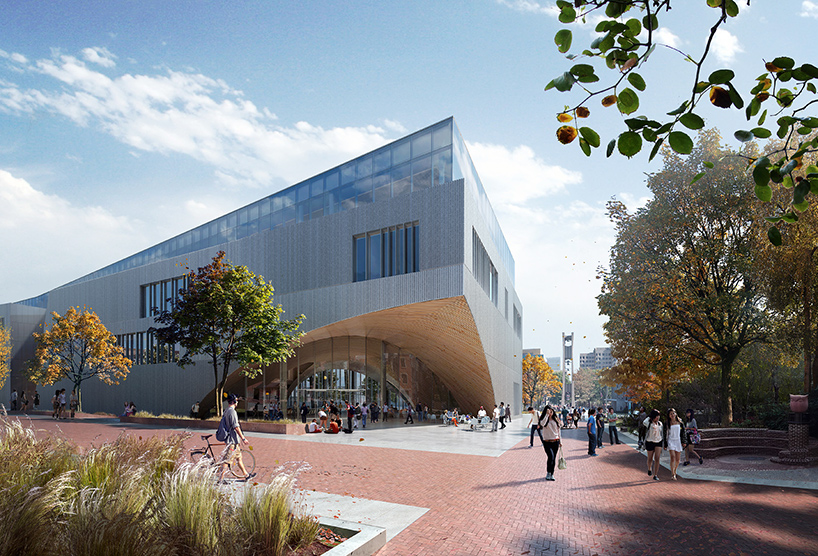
(23, 401)
(58, 404)
(597, 419)
(677, 437)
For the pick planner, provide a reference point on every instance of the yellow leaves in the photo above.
(564, 117)
(566, 134)
(772, 68)
(5, 354)
(609, 100)
(583, 112)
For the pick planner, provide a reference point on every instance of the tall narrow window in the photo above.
(375, 256)
(360, 259)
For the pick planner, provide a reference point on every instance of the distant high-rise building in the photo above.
(600, 358)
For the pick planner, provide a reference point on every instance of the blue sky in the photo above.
(125, 123)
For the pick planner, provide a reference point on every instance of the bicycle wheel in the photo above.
(200, 454)
(249, 461)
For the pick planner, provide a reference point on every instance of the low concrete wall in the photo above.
(247, 426)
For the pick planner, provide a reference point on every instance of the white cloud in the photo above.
(663, 35)
(97, 237)
(725, 46)
(99, 55)
(530, 6)
(189, 114)
(517, 175)
(809, 9)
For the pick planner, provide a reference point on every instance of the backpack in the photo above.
(221, 432)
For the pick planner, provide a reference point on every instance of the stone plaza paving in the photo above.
(445, 490)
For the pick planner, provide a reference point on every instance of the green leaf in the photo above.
(761, 132)
(764, 193)
(776, 176)
(582, 69)
(743, 135)
(731, 8)
(735, 97)
(790, 218)
(562, 83)
(762, 118)
(634, 27)
(586, 148)
(679, 110)
(615, 9)
(801, 207)
(610, 149)
(720, 77)
(810, 70)
(629, 143)
(692, 121)
(773, 219)
(649, 135)
(697, 177)
(753, 108)
(591, 136)
(709, 165)
(680, 142)
(761, 175)
(783, 62)
(636, 80)
(563, 40)
(789, 167)
(774, 236)
(650, 22)
(655, 150)
(627, 101)
(567, 14)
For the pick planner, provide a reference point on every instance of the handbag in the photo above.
(562, 464)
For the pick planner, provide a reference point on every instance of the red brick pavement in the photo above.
(503, 506)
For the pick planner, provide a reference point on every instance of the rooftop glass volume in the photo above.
(429, 157)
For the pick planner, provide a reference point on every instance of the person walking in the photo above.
(693, 437)
(550, 423)
(36, 399)
(502, 415)
(14, 400)
(590, 426)
(62, 404)
(304, 411)
(654, 434)
(508, 413)
(409, 418)
(232, 448)
(350, 416)
(613, 433)
(24, 401)
(55, 405)
(495, 418)
(674, 440)
(534, 424)
(640, 419)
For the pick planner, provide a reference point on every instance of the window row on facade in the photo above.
(144, 348)
(484, 270)
(160, 296)
(386, 252)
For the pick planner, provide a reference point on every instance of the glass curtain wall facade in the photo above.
(353, 369)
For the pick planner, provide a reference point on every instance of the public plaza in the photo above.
(448, 490)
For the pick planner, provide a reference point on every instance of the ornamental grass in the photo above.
(134, 496)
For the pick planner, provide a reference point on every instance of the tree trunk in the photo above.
(807, 320)
(79, 396)
(726, 393)
(218, 388)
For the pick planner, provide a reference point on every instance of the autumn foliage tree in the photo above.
(539, 380)
(5, 354)
(77, 347)
(227, 314)
(682, 276)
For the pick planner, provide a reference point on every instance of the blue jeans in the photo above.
(535, 428)
(599, 434)
(363, 418)
(591, 444)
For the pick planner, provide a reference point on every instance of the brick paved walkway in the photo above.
(494, 506)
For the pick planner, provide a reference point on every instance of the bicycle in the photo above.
(206, 453)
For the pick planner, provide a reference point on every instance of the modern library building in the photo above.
(395, 258)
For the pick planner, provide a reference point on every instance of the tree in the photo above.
(588, 390)
(682, 274)
(778, 102)
(77, 347)
(227, 314)
(539, 380)
(5, 354)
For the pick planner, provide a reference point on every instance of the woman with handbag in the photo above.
(550, 425)
(693, 437)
